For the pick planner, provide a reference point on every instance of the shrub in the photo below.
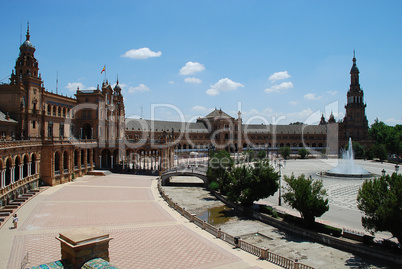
(303, 153)
(214, 186)
(269, 211)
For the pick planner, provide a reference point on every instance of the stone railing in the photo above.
(262, 253)
(20, 143)
(10, 188)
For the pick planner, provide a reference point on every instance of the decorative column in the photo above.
(111, 163)
(20, 167)
(100, 162)
(29, 169)
(36, 166)
(2, 178)
(12, 175)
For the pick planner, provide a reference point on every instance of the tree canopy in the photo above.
(285, 152)
(381, 201)
(249, 184)
(389, 136)
(218, 167)
(306, 196)
(303, 152)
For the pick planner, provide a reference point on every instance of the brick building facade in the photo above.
(54, 138)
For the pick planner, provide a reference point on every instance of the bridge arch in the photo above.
(165, 177)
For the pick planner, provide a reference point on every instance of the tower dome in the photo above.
(117, 88)
(27, 43)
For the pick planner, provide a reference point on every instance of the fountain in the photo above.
(347, 167)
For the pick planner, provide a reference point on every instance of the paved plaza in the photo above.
(342, 192)
(146, 232)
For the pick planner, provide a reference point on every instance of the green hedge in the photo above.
(269, 211)
(318, 227)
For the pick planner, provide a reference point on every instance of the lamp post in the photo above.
(383, 172)
(396, 169)
(280, 184)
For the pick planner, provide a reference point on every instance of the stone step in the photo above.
(26, 196)
(15, 203)
(34, 191)
(10, 206)
(4, 210)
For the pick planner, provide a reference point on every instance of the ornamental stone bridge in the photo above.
(199, 172)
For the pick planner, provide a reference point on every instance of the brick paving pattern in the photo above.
(79, 193)
(181, 248)
(144, 234)
(42, 248)
(84, 214)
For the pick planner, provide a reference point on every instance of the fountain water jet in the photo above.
(347, 167)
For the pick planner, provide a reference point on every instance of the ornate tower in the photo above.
(23, 97)
(355, 121)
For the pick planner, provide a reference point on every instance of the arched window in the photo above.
(65, 161)
(17, 168)
(82, 157)
(25, 168)
(57, 162)
(33, 165)
(8, 171)
(86, 131)
(75, 158)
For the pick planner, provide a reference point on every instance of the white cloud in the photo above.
(393, 121)
(332, 92)
(293, 103)
(311, 96)
(268, 116)
(139, 88)
(279, 76)
(193, 80)
(200, 109)
(142, 53)
(171, 82)
(280, 87)
(212, 92)
(73, 86)
(191, 68)
(224, 84)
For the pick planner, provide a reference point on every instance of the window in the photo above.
(61, 131)
(50, 129)
(33, 124)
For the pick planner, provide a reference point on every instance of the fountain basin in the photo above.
(332, 174)
(347, 168)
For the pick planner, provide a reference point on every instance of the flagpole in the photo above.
(105, 73)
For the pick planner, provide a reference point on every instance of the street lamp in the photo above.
(383, 172)
(396, 168)
(280, 185)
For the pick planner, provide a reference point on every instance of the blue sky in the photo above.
(276, 61)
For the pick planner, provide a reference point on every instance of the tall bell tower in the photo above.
(23, 96)
(355, 121)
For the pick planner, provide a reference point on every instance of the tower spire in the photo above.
(28, 35)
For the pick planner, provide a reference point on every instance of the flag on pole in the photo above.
(104, 69)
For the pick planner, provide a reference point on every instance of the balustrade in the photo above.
(257, 251)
